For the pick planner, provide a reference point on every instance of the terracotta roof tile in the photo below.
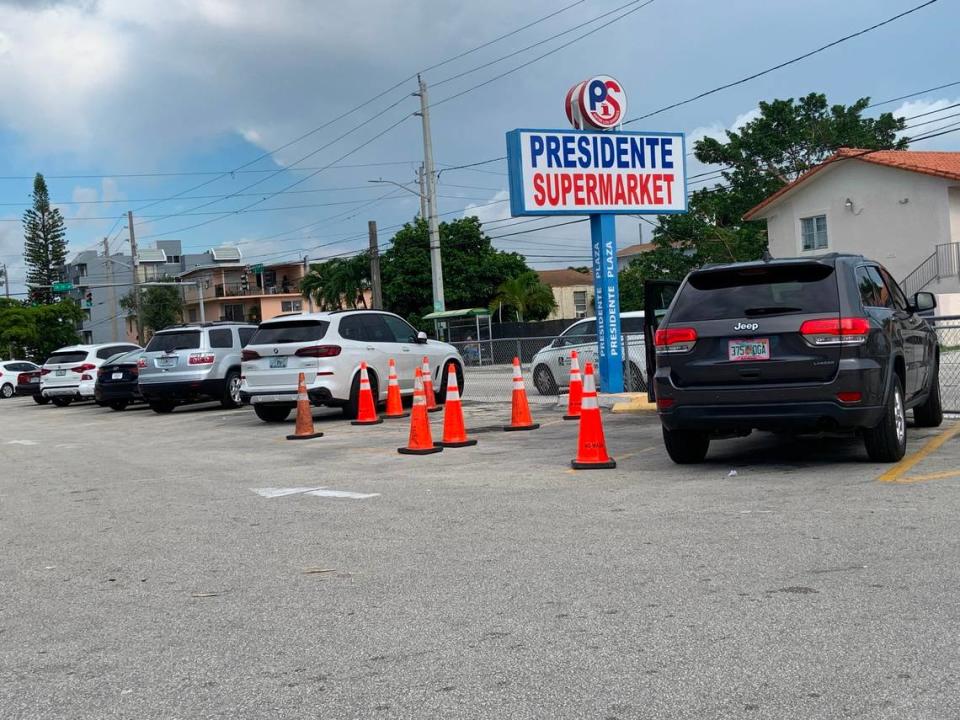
(564, 278)
(635, 249)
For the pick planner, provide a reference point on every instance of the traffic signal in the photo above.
(244, 284)
(89, 298)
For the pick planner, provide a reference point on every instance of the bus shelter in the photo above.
(470, 330)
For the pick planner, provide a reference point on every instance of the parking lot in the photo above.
(198, 565)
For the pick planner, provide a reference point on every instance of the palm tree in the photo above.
(338, 282)
(526, 295)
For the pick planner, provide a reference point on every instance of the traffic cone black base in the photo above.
(424, 451)
(367, 422)
(438, 408)
(571, 417)
(465, 443)
(304, 437)
(608, 465)
(514, 428)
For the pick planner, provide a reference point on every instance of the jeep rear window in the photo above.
(757, 292)
(297, 331)
(170, 341)
(64, 358)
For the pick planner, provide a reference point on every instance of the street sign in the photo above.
(601, 175)
(256, 269)
(60, 287)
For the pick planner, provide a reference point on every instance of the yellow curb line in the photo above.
(899, 470)
(932, 476)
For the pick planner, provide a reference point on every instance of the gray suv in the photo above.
(194, 362)
(818, 344)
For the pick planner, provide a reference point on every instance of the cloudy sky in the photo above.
(186, 111)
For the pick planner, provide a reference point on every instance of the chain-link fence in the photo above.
(488, 375)
(546, 365)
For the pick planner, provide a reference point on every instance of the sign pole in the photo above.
(606, 290)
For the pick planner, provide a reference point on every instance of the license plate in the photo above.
(753, 349)
(60, 373)
(165, 362)
(34, 379)
(117, 376)
(278, 362)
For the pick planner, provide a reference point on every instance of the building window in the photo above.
(580, 303)
(291, 306)
(86, 314)
(813, 231)
(173, 259)
(233, 313)
(87, 337)
(82, 270)
(192, 314)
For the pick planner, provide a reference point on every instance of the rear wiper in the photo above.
(772, 310)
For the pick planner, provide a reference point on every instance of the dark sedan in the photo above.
(117, 380)
(28, 383)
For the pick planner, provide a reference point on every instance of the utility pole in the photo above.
(6, 281)
(306, 269)
(436, 263)
(136, 277)
(114, 335)
(423, 193)
(376, 299)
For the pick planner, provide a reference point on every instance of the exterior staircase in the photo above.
(943, 264)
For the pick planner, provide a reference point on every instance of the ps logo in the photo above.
(746, 326)
(598, 103)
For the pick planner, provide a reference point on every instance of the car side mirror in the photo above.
(421, 337)
(923, 301)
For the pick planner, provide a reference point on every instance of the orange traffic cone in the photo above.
(421, 441)
(304, 429)
(591, 447)
(394, 403)
(366, 407)
(576, 389)
(428, 386)
(520, 418)
(454, 432)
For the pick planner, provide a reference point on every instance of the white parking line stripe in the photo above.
(271, 492)
(21, 442)
(343, 494)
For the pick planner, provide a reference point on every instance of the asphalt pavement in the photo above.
(198, 565)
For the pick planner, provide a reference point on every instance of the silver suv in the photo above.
(194, 362)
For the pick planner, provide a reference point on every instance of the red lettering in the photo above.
(657, 189)
(538, 194)
(619, 198)
(606, 189)
(645, 198)
(669, 179)
(591, 183)
(566, 184)
(632, 190)
(553, 190)
(578, 189)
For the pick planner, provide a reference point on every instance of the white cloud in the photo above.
(931, 121)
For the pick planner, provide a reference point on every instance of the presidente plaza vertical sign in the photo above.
(598, 171)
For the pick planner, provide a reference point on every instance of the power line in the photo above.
(797, 59)
(914, 94)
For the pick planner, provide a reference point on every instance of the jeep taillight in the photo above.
(84, 368)
(675, 339)
(319, 351)
(835, 331)
(247, 355)
(201, 359)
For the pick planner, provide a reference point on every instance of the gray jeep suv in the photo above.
(194, 362)
(817, 344)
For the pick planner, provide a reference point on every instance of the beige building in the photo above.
(898, 207)
(573, 291)
(233, 291)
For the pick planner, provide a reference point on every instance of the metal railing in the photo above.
(943, 262)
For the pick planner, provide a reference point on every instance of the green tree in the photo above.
(35, 331)
(160, 305)
(338, 283)
(44, 244)
(788, 138)
(524, 296)
(472, 268)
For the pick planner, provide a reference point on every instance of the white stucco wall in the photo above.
(898, 216)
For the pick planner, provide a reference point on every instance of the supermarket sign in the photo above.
(575, 172)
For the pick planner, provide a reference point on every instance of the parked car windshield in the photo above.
(125, 357)
(296, 331)
(176, 340)
(754, 291)
(70, 356)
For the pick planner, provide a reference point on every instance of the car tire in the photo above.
(441, 392)
(686, 447)
(162, 407)
(231, 391)
(544, 381)
(6, 392)
(887, 442)
(40, 400)
(61, 401)
(118, 405)
(352, 408)
(272, 413)
(930, 413)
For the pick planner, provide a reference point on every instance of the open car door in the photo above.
(657, 296)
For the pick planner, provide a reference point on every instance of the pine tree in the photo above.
(45, 244)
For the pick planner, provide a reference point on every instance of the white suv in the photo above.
(551, 366)
(327, 348)
(70, 373)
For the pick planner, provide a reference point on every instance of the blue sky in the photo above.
(113, 88)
